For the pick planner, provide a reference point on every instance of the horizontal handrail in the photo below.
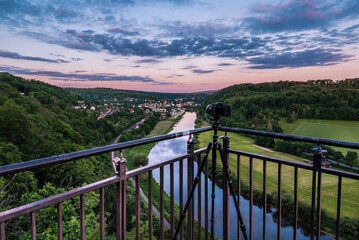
(31, 207)
(48, 161)
(292, 137)
(271, 159)
(296, 164)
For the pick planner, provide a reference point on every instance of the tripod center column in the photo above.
(190, 176)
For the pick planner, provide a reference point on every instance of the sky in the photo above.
(178, 45)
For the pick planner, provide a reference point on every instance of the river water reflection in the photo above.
(174, 147)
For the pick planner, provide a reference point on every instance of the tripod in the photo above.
(214, 146)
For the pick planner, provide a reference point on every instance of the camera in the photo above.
(219, 109)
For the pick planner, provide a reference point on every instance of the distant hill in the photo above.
(254, 104)
(102, 94)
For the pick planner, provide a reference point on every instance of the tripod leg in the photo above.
(213, 195)
(196, 180)
(230, 185)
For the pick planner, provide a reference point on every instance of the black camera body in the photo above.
(219, 109)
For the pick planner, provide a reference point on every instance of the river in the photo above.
(174, 147)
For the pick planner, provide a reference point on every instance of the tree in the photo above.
(140, 159)
(351, 158)
(71, 219)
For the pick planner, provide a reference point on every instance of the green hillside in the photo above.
(38, 120)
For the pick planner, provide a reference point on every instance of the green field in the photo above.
(329, 129)
(350, 188)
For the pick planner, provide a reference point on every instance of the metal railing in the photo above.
(120, 180)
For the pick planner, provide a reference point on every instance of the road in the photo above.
(142, 194)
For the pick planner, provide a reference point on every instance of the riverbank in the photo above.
(129, 153)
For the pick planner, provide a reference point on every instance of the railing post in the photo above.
(317, 157)
(120, 165)
(190, 175)
(226, 140)
(2, 231)
(317, 165)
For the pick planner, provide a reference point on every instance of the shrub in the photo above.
(140, 159)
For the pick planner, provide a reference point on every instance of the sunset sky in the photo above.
(178, 45)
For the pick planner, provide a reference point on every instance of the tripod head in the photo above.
(217, 110)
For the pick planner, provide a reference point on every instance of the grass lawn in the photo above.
(161, 128)
(350, 188)
(329, 129)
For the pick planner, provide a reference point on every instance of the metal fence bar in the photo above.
(319, 199)
(2, 231)
(295, 226)
(312, 221)
(225, 188)
(28, 208)
(293, 137)
(272, 159)
(264, 200)
(181, 194)
(82, 217)
(190, 215)
(239, 193)
(102, 214)
(124, 210)
(162, 235)
(59, 221)
(279, 205)
(172, 193)
(33, 226)
(206, 201)
(119, 219)
(199, 207)
(150, 217)
(138, 207)
(48, 161)
(339, 199)
(251, 198)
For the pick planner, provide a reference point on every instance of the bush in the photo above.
(140, 159)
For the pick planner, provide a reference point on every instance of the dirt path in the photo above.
(263, 148)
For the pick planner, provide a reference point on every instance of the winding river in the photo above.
(174, 147)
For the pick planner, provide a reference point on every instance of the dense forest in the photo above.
(254, 104)
(38, 120)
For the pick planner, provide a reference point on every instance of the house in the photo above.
(163, 116)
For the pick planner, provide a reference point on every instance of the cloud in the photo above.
(187, 46)
(314, 57)
(202, 29)
(148, 60)
(13, 55)
(76, 59)
(190, 67)
(200, 71)
(78, 76)
(122, 31)
(297, 15)
(225, 64)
